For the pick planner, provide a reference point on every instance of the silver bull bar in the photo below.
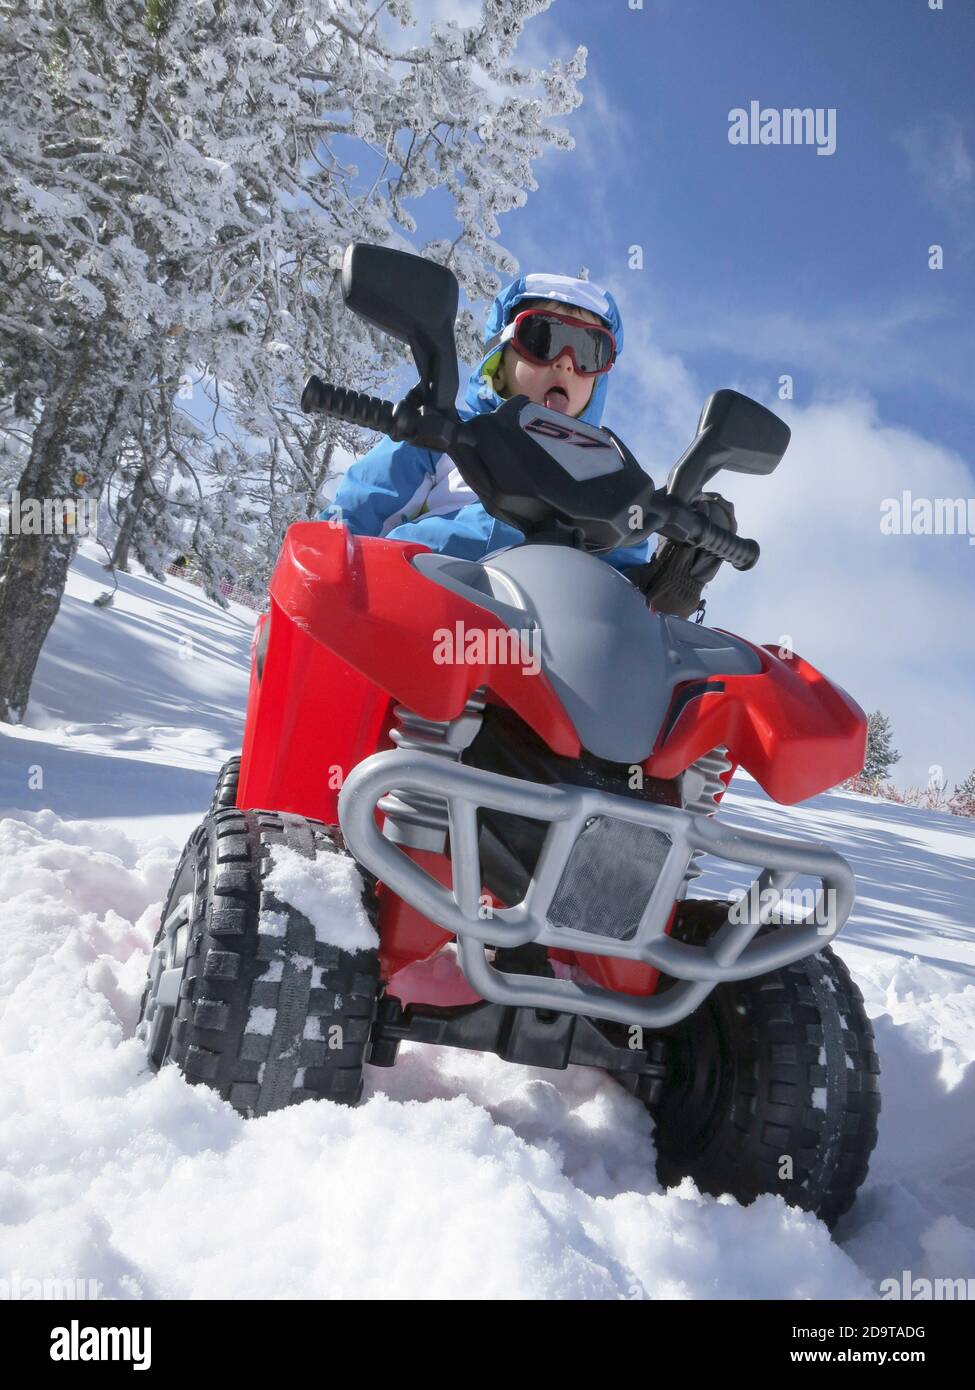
(576, 862)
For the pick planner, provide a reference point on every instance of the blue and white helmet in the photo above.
(565, 289)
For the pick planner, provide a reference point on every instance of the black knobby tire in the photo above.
(225, 792)
(782, 1067)
(266, 1018)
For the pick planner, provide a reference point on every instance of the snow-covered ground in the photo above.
(459, 1175)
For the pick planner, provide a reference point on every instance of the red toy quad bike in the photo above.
(533, 802)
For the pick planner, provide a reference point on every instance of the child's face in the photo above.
(557, 385)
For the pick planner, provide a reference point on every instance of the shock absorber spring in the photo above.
(415, 818)
(700, 787)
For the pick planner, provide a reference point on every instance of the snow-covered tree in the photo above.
(966, 788)
(179, 181)
(962, 802)
(881, 753)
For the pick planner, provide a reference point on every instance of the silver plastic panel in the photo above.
(612, 663)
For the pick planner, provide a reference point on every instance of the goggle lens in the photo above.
(543, 336)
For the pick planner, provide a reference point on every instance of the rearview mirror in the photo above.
(733, 432)
(413, 300)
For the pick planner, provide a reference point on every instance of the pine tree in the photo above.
(881, 754)
(966, 788)
(962, 802)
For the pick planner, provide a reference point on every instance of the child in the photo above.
(406, 492)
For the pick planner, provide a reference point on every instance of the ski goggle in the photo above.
(542, 336)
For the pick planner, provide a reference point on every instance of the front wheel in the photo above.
(772, 1086)
(245, 994)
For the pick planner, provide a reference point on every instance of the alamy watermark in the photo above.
(792, 125)
(475, 646)
(811, 906)
(916, 1289)
(908, 515)
(17, 1287)
(48, 516)
(77, 1343)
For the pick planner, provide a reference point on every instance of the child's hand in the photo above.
(676, 574)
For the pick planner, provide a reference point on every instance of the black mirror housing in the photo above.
(413, 300)
(753, 437)
(733, 432)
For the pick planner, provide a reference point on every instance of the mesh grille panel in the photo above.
(608, 878)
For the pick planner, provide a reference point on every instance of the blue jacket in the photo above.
(412, 494)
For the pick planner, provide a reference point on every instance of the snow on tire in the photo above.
(246, 994)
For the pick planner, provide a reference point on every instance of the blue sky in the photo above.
(776, 257)
(764, 260)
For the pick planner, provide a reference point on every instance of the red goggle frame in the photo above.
(542, 336)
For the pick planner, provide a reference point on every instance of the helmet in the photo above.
(565, 289)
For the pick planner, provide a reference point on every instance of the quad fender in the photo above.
(796, 732)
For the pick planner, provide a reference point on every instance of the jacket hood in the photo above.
(583, 294)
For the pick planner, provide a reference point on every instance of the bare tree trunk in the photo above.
(130, 508)
(79, 432)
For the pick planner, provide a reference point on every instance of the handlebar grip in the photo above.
(740, 552)
(690, 526)
(355, 406)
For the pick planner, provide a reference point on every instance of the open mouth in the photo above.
(556, 398)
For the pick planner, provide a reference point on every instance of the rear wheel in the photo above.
(772, 1085)
(225, 792)
(240, 995)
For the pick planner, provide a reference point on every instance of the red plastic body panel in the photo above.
(407, 935)
(310, 720)
(795, 732)
(352, 631)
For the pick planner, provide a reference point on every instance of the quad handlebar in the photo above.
(668, 514)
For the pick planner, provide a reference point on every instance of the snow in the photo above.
(509, 1181)
(328, 890)
(261, 1021)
